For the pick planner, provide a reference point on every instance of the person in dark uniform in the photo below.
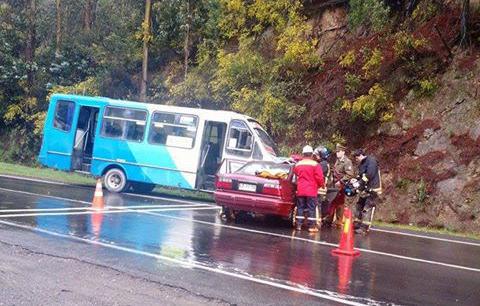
(370, 188)
(321, 155)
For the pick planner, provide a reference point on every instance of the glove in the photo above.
(364, 178)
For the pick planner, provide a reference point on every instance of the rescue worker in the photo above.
(342, 172)
(370, 188)
(321, 155)
(309, 178)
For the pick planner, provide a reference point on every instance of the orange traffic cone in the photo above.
(346, 237)
(98, 202)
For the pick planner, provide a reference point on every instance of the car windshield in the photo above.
(267, 142)
(253, 168)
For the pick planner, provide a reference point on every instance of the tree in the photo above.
(146, 39)
(186, 49)
(31, 40)
(89, 14)
(58, 32)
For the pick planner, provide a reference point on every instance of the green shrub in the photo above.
(426, 88)
(352, 83)
(369, 13)
(374, 105)
(372, 64)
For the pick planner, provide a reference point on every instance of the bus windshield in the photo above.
(267, 142)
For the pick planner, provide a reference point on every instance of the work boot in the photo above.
(313, 229)
(361, 230)
(298, 227)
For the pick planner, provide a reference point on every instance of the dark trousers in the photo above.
(306, 205)
(364, 210)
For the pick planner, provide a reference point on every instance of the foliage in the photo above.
(368, 13)
(425, 10)
(375, 105)
(405, 43)
(347, 59)
(422, 192)
(373, 63)
(352, 83)
(426, 87)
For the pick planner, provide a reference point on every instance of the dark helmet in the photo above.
(322, 152)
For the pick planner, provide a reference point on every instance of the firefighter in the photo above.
(342, 172)
(321, 155)
(370, 188)
(309, 178)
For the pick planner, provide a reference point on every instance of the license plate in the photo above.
(247, 187)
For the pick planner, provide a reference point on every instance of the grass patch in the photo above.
(46, 174)
(427, 230)
(86, 180)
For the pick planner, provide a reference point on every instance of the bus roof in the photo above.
(152, 107)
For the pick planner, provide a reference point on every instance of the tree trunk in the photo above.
(186, 49)
(89, 14)
(58, 32)
(464, 35)
(31, 41)
(146, 39)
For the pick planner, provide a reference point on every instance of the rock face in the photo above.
(433, 173)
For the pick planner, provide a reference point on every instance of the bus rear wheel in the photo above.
(115, 180)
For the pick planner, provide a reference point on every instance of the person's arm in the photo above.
(349, 173)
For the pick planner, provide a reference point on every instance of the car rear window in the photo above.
(256, 167)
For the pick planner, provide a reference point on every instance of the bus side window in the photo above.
(240, 139)
(64, 115)
(124, 123)
(174, 130)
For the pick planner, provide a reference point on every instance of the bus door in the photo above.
(211, 153)
(241, 146)
(58, 136)
(84, 138)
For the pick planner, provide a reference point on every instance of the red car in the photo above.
(259, 186)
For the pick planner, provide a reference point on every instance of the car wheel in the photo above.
(115, 180)
(142, 187)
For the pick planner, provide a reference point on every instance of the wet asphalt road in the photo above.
(175, 243)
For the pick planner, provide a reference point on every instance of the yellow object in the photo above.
(272, 174)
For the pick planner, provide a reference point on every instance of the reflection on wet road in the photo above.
(392, 268)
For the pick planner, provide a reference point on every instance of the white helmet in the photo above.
(307, 150)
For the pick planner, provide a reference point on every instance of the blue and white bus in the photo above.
(140, 145)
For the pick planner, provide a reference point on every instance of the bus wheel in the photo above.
(142, 187)
(115, 180)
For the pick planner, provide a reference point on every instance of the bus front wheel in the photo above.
(115, 180)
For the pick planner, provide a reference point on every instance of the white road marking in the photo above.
(45, 196)
(332, 296)
(423, 236)
(44, 209)
(207, 203)
(33, 180)
(103, 211)
(317, 242)
(279, 235)
(89, 203)
(127, 193)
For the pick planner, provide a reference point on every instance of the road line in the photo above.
(89, 203)
(33, 180)
(91, 187)
(107, 207)
(423, 236)
(318, 242)
(194, 264)
(44, 209)
(103, 211)
(45, 196)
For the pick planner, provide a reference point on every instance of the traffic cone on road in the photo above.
(98, 202)
(346, 237)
